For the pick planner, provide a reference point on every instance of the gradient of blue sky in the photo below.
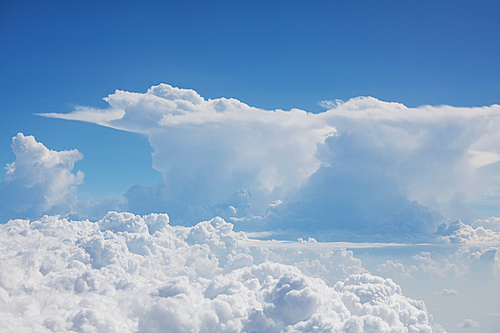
(58, 54)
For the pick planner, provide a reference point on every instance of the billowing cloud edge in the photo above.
(129, 273)
(441, 157)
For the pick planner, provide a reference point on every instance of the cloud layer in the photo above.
(127, 273)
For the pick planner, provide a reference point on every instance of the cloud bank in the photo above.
(363, 164)
(130, 273)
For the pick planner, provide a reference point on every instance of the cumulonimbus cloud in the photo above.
(433, 151)
(401, 169)
(277, 147)
(209, 149)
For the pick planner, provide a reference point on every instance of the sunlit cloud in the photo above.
(127, 273)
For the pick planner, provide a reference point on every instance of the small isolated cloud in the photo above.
(492, 314)
(39, 181)
(447, 292)
(469, 323)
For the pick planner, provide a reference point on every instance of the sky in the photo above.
(312, 164)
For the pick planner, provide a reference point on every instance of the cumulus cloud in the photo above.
(492, 223)
(457, 232)
(448, 292)
(396, 268)
(39, 181)
(469, 323)
(130, 273)
(460, 251)
(364, 164)
(471, 262)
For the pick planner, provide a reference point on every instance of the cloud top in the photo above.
(129, 273)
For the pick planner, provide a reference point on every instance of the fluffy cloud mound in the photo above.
(469, 323)
(458, 232)
(39, 181)
(127, 273)
(364, 164)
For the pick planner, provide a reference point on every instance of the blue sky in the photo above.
(56, 55)
(389, 134)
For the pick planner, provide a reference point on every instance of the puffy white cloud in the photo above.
(396, 268)
(39, 180)
(448, 292)
(492, 223)
(457, 232)
(460, 251)
(464, 262)
(127, 273)
(469, 323)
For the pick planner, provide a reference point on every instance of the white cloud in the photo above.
(39, 180)
(448, 292)
(457, 232)
(396, 268)
(280, 145)
(469, 323)
(208, 149)
(492, 223)
(88, 114)
(432, 151)
(127, 273)
(377, 167)
(222, 157)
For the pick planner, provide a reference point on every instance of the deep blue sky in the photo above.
(55, 55)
